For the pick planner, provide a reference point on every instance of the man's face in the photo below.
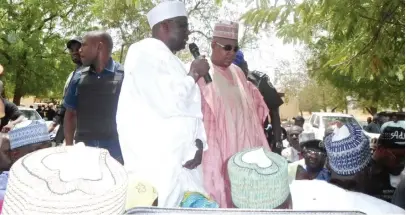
(89, 50)
(393, 159)
(178, 32)
(74, 52)
(224, 51)
(293, 136)
(314, 158)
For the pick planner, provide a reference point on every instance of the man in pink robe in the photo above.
(233, 113)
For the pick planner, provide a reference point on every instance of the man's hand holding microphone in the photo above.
(199, 68)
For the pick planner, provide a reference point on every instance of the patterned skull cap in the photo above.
(348, 150)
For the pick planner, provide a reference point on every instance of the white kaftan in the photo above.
(159, 118)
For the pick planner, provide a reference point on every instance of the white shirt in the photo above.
(319, 195)
(291, 154)
(158, 120)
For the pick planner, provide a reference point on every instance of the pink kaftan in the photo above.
(233, 115)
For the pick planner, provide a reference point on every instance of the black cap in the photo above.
(74, 40)
(299, 118)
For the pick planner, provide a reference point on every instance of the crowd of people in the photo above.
(46, 111)
(213, 150)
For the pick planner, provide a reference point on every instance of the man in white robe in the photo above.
(159, 118)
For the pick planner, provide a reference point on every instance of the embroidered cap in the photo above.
(28, 132)
(308, 139)
(226, 29)
(259, 179)
(167, 9)
(348, 150)
(66, 180)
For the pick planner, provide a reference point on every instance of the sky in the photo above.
(271, 49)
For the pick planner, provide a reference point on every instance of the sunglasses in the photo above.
(228, 47)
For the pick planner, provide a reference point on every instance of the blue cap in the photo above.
(239, 58)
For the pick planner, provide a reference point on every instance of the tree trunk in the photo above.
(18, 90)
(372, 110)
(17, 94)
(17, 99)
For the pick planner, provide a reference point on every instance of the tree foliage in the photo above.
(32, 42)
(355, 45)
(129, 22)
(34, 33)
(312, 95)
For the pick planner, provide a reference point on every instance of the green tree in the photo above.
(357, 46)
(128, 20)
(32, 42)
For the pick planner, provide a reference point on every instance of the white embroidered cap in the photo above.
(258, 178)
(167, 9)
(66, 180)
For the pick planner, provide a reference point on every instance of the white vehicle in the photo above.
(32, 114)
(319, 121)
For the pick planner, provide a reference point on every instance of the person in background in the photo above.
(26, 137)
(299, 121)
(373, 126)
(369, 120)
(31, 106)
(349, 161)
(233, 111)
(51, 113)
(92, 96)
(40, 111)
(157, 90)
(272, 99)
(73, 46)
(259, 180)
(395, 120)
(349, 158)
(389, 160)
(314, 160)
(12, 115)
(66, 180)
(293, 152)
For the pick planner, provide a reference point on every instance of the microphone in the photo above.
(194, 50)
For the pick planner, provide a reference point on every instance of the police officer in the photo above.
(92, 96)
(73, 46)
